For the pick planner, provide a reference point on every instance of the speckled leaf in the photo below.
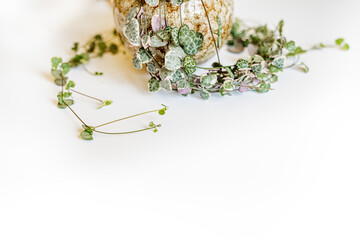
(256, 69)
(204, 94)
(172, 61)
(176, 2)
(151, 68)
(145, 41)
(157, 42)
(132, 32)
(183, 87)
(242, 64)
(279, 62)
(179, 75)
(189, 65)
(175, 36)
(152, 3)
(230, 72)
(153, 85)
(264, 88)
(190, 41)
(144, 56)
(180, 52)
(131, 14)
(155, 23)
(166, 74)
(165, 34)
(229, 85)
(137, 61)
(257, 59)
(166, 85)
(208, 81)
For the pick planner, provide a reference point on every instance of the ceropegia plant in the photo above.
(96, 47)
(167, 52)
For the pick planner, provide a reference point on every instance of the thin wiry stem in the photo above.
(166, 23)
(121, 119)
(85, 95)
(160, 15)
(181, 21)
(123, 133)
(212, 34)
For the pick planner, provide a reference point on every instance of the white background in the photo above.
(283, 165)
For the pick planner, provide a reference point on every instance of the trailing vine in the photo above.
(167, 52)
(97, 46)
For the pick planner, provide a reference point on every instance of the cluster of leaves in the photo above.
(168, 52)
(96, 47)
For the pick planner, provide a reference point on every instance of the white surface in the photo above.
(284, 165)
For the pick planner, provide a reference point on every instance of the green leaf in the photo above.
(67, 94)
(87, 134)
(132, 32)
(165, 34)
(274, 79)
(256, 69)
(189, 64)
(208, 81)
(65, 68)
(229, 85)
(55, 61)
(70, 84)
(152, 3)
(274, 69)
(137, 63)
(172, 61)
(175, 36)
(191, 42)
(242, 64)
(258, 59)
(303, 67)
(279, 62)
(346, 47)
(114, 49)
(339, 41)
(264, 88)
(230, 72)
(154, 85)
(56, 74)
(106, 103)
(290, 46)
(204, 94)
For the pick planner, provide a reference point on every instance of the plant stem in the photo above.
(123, 133)
(121, 119)
(85, 95)
(212, 34)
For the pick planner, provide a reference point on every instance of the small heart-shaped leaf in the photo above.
(190, 41)
(152, 3)
(157, 42)
(151, 68)
(208, 81)
(137, 61)
(166, 85)
(172, 61)
(131, 14)
(165, 34)
(176, 2)
(189, 65)
(132, 32)
(175, 36)
(154, 85)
